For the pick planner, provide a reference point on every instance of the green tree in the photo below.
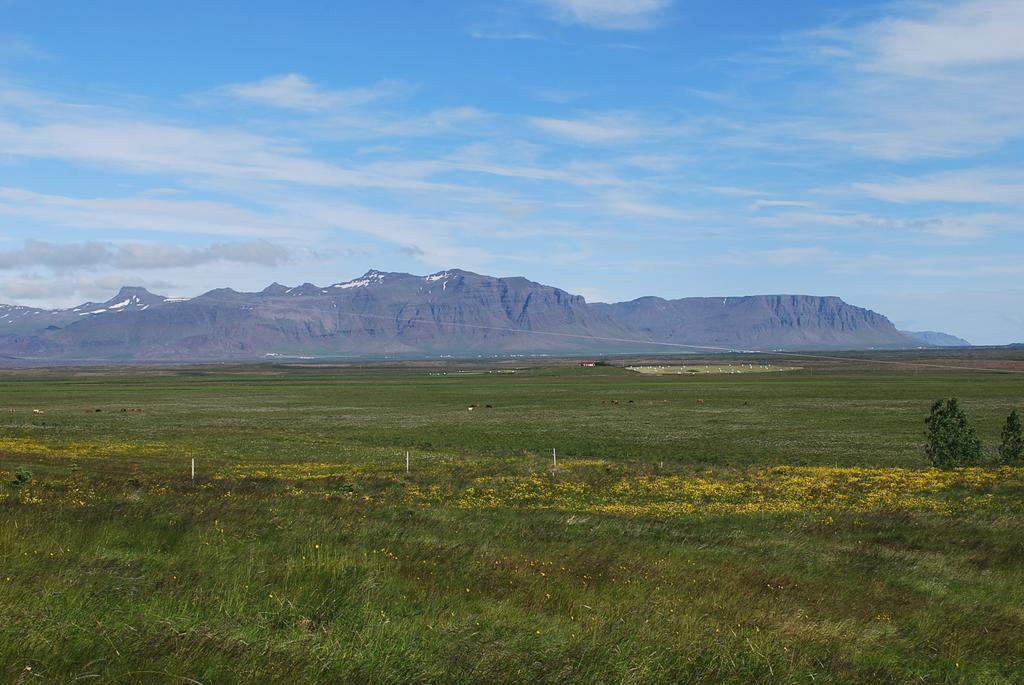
(1011, 444)
(951, 441)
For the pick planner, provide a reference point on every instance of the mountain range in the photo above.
(450, 312)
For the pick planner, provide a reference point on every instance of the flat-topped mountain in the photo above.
(757, 322)
(449, 312)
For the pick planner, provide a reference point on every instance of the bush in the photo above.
(21, 477)
(951, 441)
(1011, 445)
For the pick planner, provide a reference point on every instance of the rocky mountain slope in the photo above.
(450, 312)
(936, 339)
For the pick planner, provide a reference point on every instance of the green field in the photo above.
(718, 528)
(694, 369)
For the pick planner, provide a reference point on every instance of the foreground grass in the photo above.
(304, 551)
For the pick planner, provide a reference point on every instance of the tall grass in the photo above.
(303, 552)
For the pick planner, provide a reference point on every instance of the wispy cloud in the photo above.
(945, 39)
(133, 214)
(69, 288)
(489, 34)
(295, 91)
(19, 47)
(631, 15)
(927, 80)
(65, 256)
(157, 148)
(946, 81)
(773, 204)
(602, 129)
(1002, 186)
(952, 227)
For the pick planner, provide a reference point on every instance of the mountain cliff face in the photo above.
(757, 322)
(450, 312)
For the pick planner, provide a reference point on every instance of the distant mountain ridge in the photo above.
(937, 339)
(448, 312)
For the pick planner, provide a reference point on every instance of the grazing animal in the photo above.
(470, 408)
(488, 406)
(38, 412)
(700, 402)
(615, 401)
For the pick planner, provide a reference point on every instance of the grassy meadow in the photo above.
(709, 528)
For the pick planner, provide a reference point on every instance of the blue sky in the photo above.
(615, 149)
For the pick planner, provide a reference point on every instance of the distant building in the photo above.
(587, 362)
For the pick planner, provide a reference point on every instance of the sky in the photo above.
(612, 148)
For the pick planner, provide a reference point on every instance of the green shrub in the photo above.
(1011, 444)
(21, 477)
(951, 440)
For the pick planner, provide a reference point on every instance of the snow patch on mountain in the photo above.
(369, 278)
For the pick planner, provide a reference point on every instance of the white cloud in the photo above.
(69, 256)
(289, 217)
(69, 289)
(628, 204)
(945, 82)
(294, 91)
(1003, 186)
(948, 37)
(40, 126)
(609, 14)
(149, 214)
(771, 204)
(487, 34)
(790, 256)
(955, 228)
(167, 149)
(602, 130)
(929, 80)
(430, 239)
